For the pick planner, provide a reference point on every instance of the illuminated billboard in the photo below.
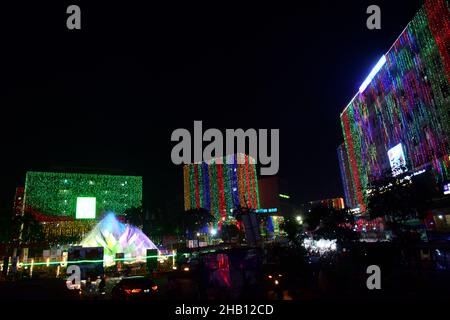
(86, 208)
(447, 188)
(397, 160)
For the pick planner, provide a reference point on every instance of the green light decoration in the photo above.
(247, 193)
(187, 195)
(28, 264)
(200, 182)
(56, 194)
(226, 184)
(192, 181)
(257, 188)
(215, 191)
(241, 180)
(252, 183)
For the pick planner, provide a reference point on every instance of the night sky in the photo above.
(109, 96)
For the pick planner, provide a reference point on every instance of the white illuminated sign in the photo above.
(372, 74)
(447, 188)
(86, 208)
(397, 160)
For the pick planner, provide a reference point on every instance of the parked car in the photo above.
(135, 288)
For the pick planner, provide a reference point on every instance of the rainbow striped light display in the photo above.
(406, 101)
(221, 185)
(346, 177)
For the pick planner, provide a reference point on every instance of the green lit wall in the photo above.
(55, 194)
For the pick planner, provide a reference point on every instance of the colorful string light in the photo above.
(406, 102)
(346, 178)
(224, 185)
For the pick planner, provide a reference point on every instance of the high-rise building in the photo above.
(221, 185)
(346, 178)
(399, 120)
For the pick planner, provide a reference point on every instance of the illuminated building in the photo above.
(334, 203)
(346, 178)
(221, 185)
(69, 204)
(399, 120)
(275, 205)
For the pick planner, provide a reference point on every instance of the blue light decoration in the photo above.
(346, 177)
(206, 191)
(270, 226)
(372, 74)
(234, 183)
(267, 210)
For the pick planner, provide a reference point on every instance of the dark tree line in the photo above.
(321, 222)
(401, 199)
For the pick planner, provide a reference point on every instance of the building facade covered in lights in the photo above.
(399, 121)
(221, 185)
(68, 205)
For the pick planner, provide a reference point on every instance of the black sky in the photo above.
(110, 95)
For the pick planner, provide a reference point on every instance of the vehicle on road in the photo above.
(135, 288)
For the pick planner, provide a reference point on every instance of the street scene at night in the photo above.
(225, 152)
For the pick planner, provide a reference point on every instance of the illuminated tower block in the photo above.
(400, 116)
(347, 182)
(221, 186)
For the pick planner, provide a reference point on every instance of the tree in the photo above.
(401, 197)
(329, 223)
(229, 231)
(294, 230)
(32, 230)
(195, 219)
(7, 229)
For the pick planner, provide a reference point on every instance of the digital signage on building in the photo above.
(397, 160)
